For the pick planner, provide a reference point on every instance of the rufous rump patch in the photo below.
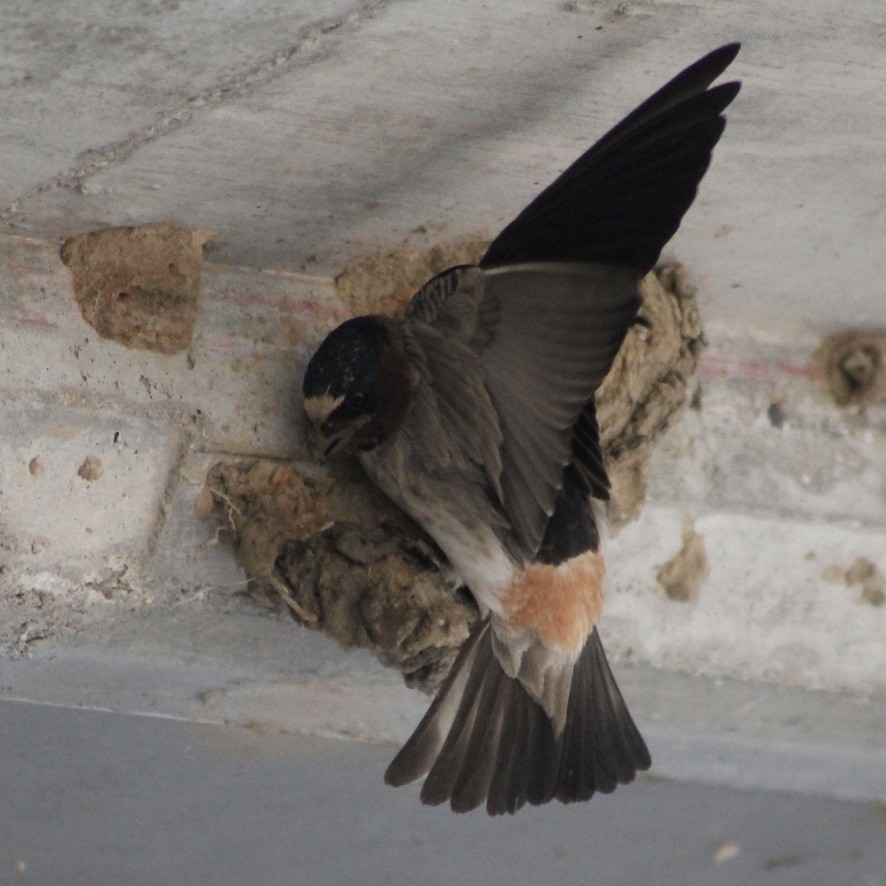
(560, 603)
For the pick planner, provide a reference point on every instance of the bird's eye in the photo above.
(358, 401)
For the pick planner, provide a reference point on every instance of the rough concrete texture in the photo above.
(776, 502)
(82, 490)
(300, 136)
(139, 286)
(88, 85)
(236, 387)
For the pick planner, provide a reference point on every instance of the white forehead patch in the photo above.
(319, 408)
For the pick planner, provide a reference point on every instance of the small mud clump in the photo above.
(683, 575)
(862, 574)
(855, 367)
(91, 468)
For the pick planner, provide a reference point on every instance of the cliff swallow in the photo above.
(474, 413)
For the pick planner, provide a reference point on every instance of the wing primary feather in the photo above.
(691, 81)
(598, 210)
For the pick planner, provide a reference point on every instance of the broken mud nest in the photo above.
(139, 286)
(333, 551)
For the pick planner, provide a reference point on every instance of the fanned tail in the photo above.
(485, 740)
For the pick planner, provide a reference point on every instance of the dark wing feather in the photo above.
(554, 296)
(587, 454)
(445, 326)
(623, 199)
(689, 82)
(572, 529)
(559, 329)
(513, 356)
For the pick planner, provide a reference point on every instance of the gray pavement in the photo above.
(99, 798)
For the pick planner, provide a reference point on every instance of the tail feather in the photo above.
(601, 746)
(484, 739)
(629, 750)
(419, 753)
(576, 776)
(479, 763)
(510, 756)
(525, 767)
(606, 764)
(471, 718)
(541, 758)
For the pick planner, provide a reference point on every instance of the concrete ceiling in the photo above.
(309, 134)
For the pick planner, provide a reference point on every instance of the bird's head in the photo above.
(357, 385)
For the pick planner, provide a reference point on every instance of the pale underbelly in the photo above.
(559, 604)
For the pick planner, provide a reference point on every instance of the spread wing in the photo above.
(514, 349)
(521, 349)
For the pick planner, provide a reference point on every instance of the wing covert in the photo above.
(531, 343)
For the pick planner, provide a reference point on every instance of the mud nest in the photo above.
(341, 558)
(330, 549)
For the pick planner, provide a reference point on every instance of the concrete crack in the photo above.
(308, 47)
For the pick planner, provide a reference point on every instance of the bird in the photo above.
(474, 413)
